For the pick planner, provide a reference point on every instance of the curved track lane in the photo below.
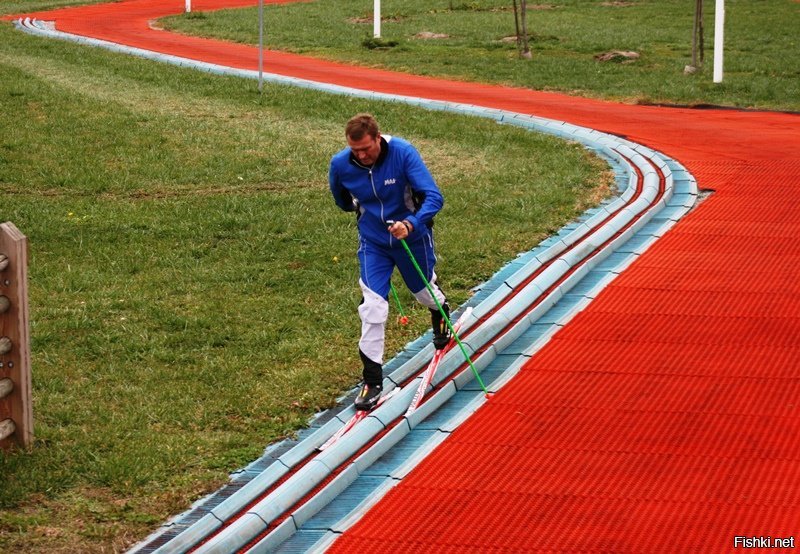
(661, 418)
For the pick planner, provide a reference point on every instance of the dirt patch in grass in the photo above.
(369, 19)
(617, 56)
(425, 35)
(540, 7)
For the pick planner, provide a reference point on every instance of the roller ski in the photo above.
(447, 342)
(375, 399)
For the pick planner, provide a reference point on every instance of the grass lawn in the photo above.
(192, 284)
(761, 44)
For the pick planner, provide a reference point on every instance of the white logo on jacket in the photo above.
(388, 182)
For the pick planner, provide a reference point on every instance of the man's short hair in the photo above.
(360, 125)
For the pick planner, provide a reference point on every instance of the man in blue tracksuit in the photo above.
(384, 179)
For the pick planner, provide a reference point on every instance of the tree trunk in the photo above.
(702, 31)
(697, 35)
(516, 28)
(526, 51)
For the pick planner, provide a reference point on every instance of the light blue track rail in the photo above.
(654, 192)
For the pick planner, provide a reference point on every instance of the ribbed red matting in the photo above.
(663, 418)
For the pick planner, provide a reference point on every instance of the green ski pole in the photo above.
(403, 317)
(444, 315)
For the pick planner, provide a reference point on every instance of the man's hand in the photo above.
(400, 229)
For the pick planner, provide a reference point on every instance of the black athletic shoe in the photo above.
(368, 397)
(441, 332)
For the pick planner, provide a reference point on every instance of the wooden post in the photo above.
(16, 415)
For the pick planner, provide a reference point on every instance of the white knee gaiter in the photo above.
(374, 312)
(424, 297)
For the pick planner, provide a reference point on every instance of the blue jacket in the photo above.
(397, 187)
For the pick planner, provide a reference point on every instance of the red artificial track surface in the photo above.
(662, 418)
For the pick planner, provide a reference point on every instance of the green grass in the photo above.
(761, 49)
(192, 284)
(12, 7)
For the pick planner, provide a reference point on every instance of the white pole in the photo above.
(376, 20)
(719, 29)
(188, 6)
(260, 44)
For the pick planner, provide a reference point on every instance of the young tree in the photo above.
(522, 40)
(697, 35)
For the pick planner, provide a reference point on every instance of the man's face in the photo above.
(367, 149)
